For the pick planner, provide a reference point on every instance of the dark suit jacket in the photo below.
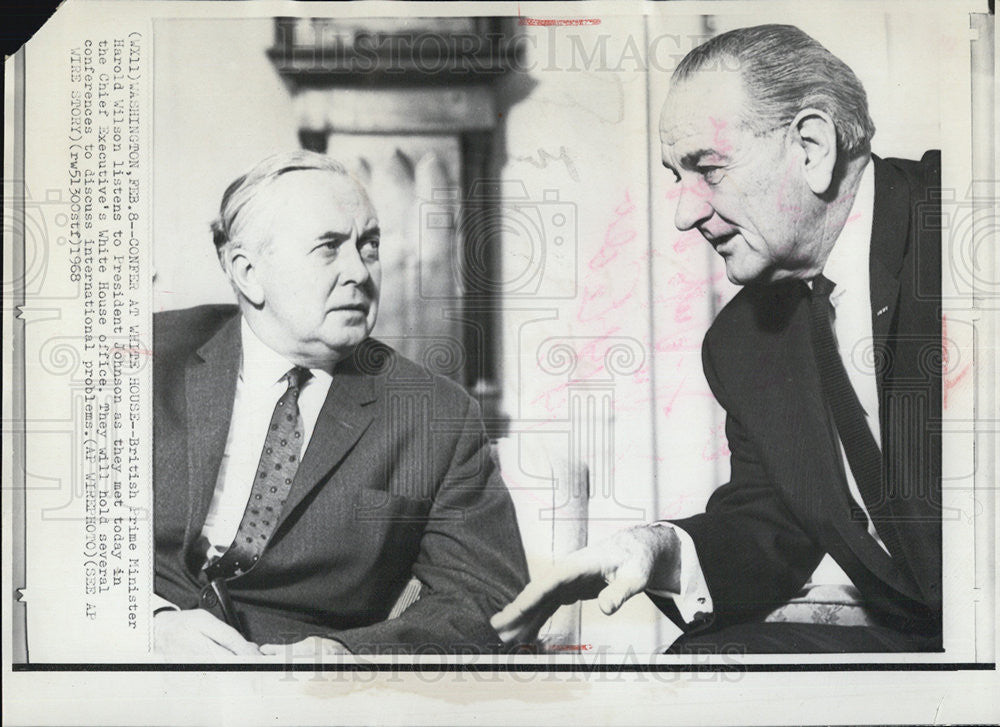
(787, 503)
(397, 479)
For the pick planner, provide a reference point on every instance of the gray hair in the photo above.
(785, 71)
(246, 187)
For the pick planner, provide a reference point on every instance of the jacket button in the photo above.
(209, 599)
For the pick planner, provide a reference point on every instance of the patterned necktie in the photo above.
(278, 462)
(863, 454)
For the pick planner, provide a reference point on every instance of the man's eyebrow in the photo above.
(332, 236)
(692, 159)
(373, 231)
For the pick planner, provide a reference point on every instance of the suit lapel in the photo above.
(210, 387)
(344, 417)
(890, 230)
(905, 330)
(891, 236)
(808, 461)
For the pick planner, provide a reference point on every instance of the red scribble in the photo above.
(951, 379)
(719, 444)
(688, 240)
(944, 341)
(138, 351)
(673, 399)
(722, 144)
(616, 235)
(699, 188)
(684, 293)
(675, 343)
(619, 233)
(590, 352)
(546, 22)
(601, 293)
(788, 181)
(674, 507)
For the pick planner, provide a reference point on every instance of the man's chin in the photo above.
(733, 276)
(347, 340)
(744, 272)
(738, 276)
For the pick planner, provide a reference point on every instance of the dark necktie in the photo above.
(278, 462)
(863, 454)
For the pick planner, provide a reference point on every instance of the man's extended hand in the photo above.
(310, 647)
(646, 556)
(198, 633)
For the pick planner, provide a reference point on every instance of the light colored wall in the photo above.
(219, 108)
(578, 369)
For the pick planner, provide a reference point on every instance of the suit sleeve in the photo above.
(471, 562)
(753, 552)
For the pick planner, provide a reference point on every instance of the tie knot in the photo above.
(822, 286)
(297, 375)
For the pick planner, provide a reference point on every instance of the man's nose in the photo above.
(693, 205)
(353, 268)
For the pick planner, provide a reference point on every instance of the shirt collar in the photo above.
(854, 242)
(261, 366)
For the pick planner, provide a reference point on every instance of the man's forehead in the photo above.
(320, 181)
(706, 103)
(307, 204)
(319, 187)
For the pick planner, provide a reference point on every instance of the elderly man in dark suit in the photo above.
(827, 363)
(304, 473)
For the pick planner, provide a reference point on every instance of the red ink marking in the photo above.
(139, 351)
(718, 443)
(597, 302)
(677, 342)
(722, 144)
(688, 240)
(548, 22)
(951, 379)
(616, 235)
(673, 399)
(699, 188)
(673, 508)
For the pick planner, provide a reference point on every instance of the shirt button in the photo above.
(209, 599)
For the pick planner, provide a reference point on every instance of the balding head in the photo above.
(241, 193)
(299, 240)
(784, 70)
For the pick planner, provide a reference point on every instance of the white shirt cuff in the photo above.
(694, 597)
(159, 603)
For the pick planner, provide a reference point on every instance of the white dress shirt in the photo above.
(258, 387)
(847, 267)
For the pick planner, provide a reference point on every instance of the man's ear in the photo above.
(244, 275)
(816, 135)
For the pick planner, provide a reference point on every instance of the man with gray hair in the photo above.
(827, 537)
(308, 480)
